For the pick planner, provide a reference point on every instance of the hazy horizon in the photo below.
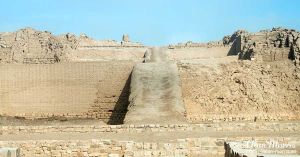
(150, 22)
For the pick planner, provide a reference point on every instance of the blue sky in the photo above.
(153, 22)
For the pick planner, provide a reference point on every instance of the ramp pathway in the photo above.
(155, 91)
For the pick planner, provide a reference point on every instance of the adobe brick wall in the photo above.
(87, 90)
(206, 146)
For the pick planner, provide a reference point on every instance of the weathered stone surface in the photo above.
(191, 44)
(26, 44)
(38, 47)
(240, 90)
(267, 45)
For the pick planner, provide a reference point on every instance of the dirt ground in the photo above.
(145, 137)
(55, 121)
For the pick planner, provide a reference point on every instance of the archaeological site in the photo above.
(74, 96)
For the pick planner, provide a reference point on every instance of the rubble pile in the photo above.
(267, 45)
(28, 44)
(41, 47)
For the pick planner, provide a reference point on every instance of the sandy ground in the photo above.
(148, 136)
(55, 121)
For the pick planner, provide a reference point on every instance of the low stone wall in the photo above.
(259, 126)
(40, 60)
(269, 147)
(232, 150)
(111, 148)
(238, 118)
(206, 146)
(192, 53)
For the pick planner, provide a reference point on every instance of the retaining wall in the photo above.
(111, 148)
(259, 126)
(84, 90)
(206, 146)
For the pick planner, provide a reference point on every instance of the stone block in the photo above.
(9, 152)
(113, 155)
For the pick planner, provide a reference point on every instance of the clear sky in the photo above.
(153, 22)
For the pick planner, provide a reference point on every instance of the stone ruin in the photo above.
(27, 44)
(31, 46)
(191, 44)
(267, 45)
(125, 38)
(187, 99)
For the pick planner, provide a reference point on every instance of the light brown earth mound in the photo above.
(155, 91)
(220, 89)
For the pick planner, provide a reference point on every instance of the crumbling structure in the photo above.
(28, 45)
(31, 46)
(66, 96)
(267, 45)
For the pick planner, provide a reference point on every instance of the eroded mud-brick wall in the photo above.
(89, 90)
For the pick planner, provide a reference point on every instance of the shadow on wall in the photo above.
(235, 47)
(292, 53)
(120, 109)
(232, 51)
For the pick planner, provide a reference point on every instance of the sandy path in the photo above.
(147, 136)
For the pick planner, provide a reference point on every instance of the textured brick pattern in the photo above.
(84, 90)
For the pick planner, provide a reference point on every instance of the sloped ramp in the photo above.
(155, 93)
